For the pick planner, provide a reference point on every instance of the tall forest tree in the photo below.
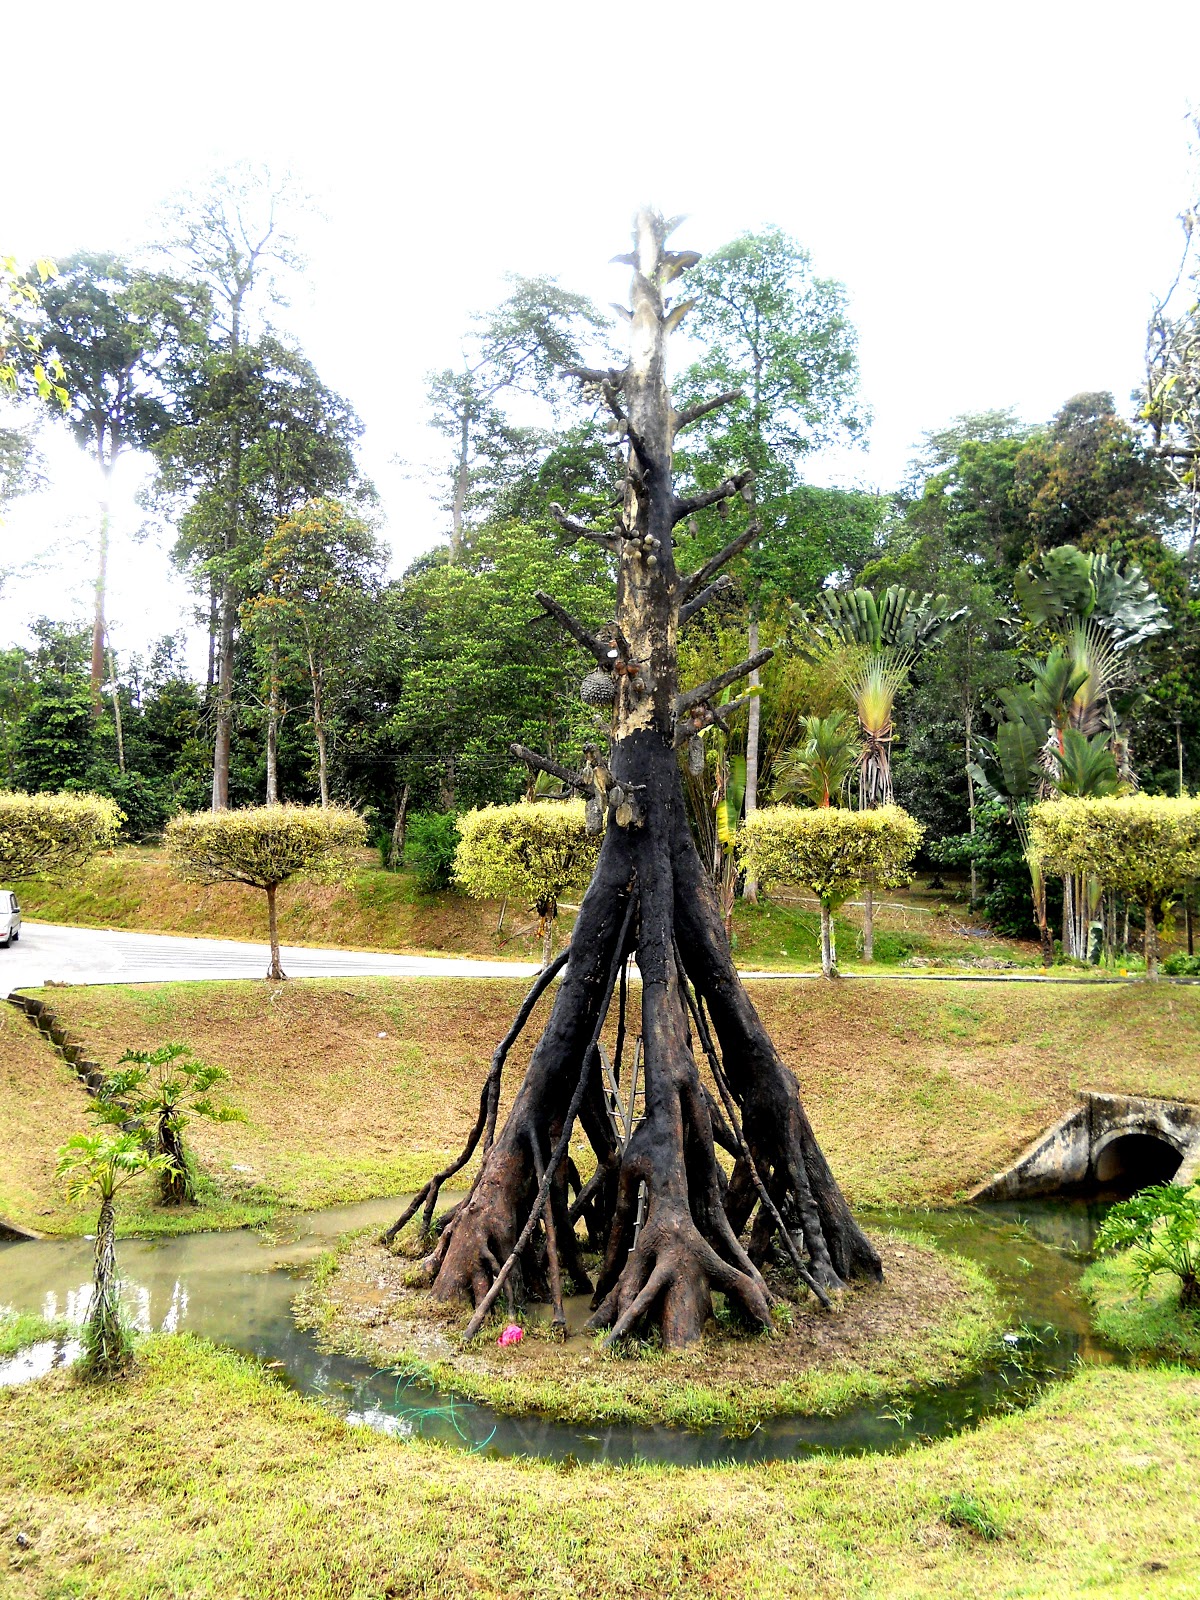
(111, 328)
(233, 240)
(658, 1205)
(519, 348)
(322, 569)
(780, 347)
(1171, 399)
(273, 435)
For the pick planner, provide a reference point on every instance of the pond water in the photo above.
(237, 1289)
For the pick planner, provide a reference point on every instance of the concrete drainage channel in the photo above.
(1108, 1142)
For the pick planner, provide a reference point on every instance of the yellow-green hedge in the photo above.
(1142, 845)
(831, 851)
(535, 852)
(265, 845)
(47, 835)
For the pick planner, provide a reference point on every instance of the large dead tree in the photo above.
(670, 1226)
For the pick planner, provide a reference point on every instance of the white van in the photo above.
(10, 918)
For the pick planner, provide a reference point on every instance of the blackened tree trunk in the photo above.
(668, 1223)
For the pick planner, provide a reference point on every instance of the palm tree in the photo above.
(1014, 771)
(821, 765)
(887, 632)
(101, 1164)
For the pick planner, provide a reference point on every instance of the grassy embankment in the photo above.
(1150, 1326)
(135, 888)
(201, 1476)
(362, 1087)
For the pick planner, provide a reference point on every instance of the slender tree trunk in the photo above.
(828, 944)
(116, 705)
(275, 971)
(322, 760)
(101, 586)
(548, 938)
(753, 725)
(231, 538)
(273, 719)
(108, 1343)
(1179, 744)
(868, 923)
(223, 737)
(967, 718)
(462, 480)
(399, 829)
(1151, 942)
(213, 630)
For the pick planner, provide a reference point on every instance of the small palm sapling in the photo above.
(100, 1165)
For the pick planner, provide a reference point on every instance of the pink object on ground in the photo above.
(511, 1335)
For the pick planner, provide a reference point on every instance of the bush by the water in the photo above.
(1160, 1227)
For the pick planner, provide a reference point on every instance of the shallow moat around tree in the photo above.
(933, 1319)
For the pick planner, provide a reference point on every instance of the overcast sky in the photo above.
(996, 185)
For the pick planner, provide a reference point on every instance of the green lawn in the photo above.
(200, 1476)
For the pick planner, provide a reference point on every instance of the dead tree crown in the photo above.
(670, 1226)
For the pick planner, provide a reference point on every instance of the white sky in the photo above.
(997, 186)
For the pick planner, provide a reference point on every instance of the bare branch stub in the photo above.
(556, 770)
(580, 530)
(597, 375)
(700, 716)
(574, 627)
(701, 576)
(689, 608)
(704, 691)
(686, 505)
(702, 408)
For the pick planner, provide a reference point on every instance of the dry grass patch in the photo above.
(41, 1102)
(917, 1091)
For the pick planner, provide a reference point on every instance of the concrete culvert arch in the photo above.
(1111, 1143)
(1134, 1161)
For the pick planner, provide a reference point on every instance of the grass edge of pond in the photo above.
(174, 1478)
(1152, 1327)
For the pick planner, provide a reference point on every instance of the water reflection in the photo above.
(237, 1289)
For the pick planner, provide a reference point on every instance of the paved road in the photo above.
(94, 955)
(97, 955)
